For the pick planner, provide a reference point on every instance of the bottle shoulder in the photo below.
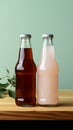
(48, 67)
(27, 65)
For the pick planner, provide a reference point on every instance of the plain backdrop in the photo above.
(37, 17)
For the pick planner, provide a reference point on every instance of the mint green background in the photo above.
(38, 17)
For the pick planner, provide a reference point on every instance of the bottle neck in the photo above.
(47, 42)
(25, 43)
(47, 51)
(25, 51)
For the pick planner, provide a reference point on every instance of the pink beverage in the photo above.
(47, 73)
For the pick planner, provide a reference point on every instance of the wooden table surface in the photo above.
(64, 110)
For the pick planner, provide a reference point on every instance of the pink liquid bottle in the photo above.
(47, 74)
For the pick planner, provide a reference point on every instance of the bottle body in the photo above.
(47, 77)
(25, 70)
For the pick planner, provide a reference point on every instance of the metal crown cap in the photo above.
(25, 36)
(47, 36)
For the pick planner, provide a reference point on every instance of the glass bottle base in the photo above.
(25, 102)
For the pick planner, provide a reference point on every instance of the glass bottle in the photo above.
(47, 73)
(25, 70)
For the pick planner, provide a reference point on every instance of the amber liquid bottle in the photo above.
(25, 70)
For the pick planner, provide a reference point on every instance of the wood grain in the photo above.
(64, 110)
(36, 115)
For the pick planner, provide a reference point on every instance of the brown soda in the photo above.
(25, 70)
